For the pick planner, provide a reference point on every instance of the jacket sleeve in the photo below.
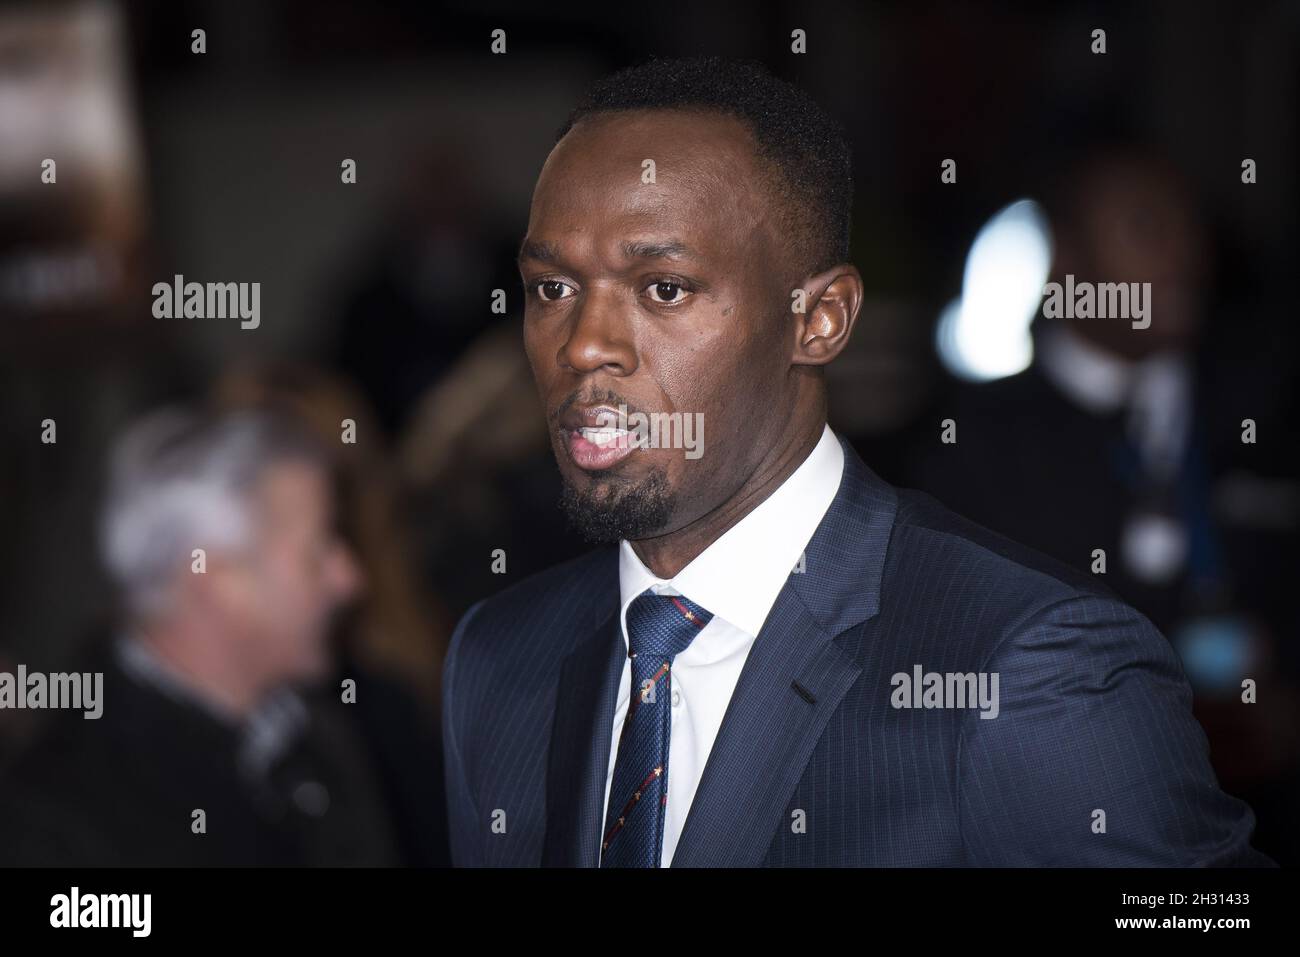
(464, 826)
(1094, 757)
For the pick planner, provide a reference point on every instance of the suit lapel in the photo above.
(792, 682)
(578, 763)
(795, 677)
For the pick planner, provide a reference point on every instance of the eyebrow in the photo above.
(549, 252)
(541, 251)
(664, 249)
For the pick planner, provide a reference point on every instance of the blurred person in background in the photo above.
(393, 625)
(476, 461)
(206, 752)
(421, 298)
(391, 638)
(1105, 409)
(1129, 440)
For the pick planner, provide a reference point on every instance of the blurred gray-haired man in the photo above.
(219, 533)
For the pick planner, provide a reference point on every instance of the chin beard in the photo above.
(607, 509)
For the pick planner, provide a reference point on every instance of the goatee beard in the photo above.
(606, 509)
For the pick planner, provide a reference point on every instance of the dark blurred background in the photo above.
(376, 299)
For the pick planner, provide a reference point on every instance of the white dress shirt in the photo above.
(737, 579)
(1157, 391)
(1157, 395)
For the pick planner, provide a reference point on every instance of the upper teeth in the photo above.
(603, 436)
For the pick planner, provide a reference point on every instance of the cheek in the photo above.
(244, 593)
(719, 371)
(290, 582)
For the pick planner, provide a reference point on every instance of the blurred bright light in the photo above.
(984, 334)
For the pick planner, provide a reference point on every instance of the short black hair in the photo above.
(802, 144)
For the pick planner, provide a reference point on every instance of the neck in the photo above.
(666, 555)
(202, 666)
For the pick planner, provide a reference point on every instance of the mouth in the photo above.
(592, 442)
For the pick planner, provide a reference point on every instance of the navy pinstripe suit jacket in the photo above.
(813, 764)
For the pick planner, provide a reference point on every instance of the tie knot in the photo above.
(659, 627)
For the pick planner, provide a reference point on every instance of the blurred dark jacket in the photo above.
(121, 790)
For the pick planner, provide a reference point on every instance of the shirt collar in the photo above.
(146, 668)
(263, 736)
(1092, 377)
(739, 576)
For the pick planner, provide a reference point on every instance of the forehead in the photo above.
(708, 190)
(293, 487)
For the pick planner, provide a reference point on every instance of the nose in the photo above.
(599, 336)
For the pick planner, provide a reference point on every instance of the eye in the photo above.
(549, 290)
(667, 292)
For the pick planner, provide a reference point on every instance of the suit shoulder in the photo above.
(557, 587)
(548, 604)
(932, 541)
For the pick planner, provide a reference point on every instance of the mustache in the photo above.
(594, 396)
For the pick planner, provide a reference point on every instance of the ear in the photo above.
(831, 303)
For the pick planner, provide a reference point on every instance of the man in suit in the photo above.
(777, 658)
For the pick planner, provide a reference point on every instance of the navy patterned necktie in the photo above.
(659, 627)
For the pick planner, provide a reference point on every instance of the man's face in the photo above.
(665, 297)
(1141, 225)
(295, 576)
